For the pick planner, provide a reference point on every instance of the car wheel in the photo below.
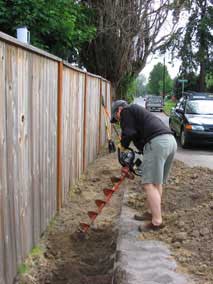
(184, 141)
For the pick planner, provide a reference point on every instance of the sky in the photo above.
(172, 67)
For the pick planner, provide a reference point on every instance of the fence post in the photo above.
(59, 137)
(85, 123)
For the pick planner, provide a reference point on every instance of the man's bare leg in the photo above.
(154, 201)
(160, 188)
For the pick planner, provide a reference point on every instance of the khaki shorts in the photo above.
(158, 155)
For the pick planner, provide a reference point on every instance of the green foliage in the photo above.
(23, 269)
(59, 26)
(193, 42)
(36, 251)
(191, 85)
(209, 82)
(136, 88)
(132, 89)
(156, 78)
(168, 105)
(127, 87)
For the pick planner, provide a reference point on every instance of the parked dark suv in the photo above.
(192, 119)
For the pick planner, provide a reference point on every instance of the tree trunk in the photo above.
(202, 76)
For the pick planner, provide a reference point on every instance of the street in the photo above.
(194, 156)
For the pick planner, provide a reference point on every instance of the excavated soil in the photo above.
(188, 214)
(187, 205)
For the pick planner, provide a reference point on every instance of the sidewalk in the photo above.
(142, 261)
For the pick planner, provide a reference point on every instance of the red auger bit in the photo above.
(108, 192)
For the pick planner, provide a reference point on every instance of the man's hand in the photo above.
(122, 149)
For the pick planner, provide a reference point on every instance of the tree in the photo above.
(156, 80)
(194, 42)
(137, 88)
(209, 82)
(192, 83)
(140, 86)
(127, 32)
(59, 26)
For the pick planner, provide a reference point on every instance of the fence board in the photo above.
(4, 232)
(36, 174)
(12, 158)
(72, 127)
(23, 150)
(80, 123)
(92, 117)
(103, 126)
(65, 140)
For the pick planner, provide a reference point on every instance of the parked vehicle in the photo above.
(154, 103)
(192, 119)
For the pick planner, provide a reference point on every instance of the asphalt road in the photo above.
(194, 156)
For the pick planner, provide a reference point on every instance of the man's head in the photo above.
(117, 106)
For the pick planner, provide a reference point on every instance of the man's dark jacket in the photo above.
(140, 126)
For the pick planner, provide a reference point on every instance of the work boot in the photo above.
(150, 227)
(144, 217)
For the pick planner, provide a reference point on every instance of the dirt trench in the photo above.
(64, 258)
(187, 211)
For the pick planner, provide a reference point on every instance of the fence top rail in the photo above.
(12, 40)
(67, 64)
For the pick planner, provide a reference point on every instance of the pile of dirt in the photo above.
(187, 209)
(187, 212)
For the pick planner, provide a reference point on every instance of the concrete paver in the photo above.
(143, 261)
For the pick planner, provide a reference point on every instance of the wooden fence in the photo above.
(51, 128)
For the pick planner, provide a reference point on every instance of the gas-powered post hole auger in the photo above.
(132, 160)
(131, 163)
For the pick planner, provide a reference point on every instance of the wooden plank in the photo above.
(103, 128)
(100, 109)
(41, 142)
(75, 127)
(109, 104)
(45, 141)
(24, 164)
(4, 222)
(12, 158)
(85, 124)
(81, 122)
(55, 123)
(53, 131)
(47, 93)
(66, 131)
(70, 134)
(35, 93)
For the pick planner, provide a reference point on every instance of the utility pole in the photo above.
(164, 78)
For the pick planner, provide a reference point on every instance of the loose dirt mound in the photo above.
(188, 214)
(188, 211)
